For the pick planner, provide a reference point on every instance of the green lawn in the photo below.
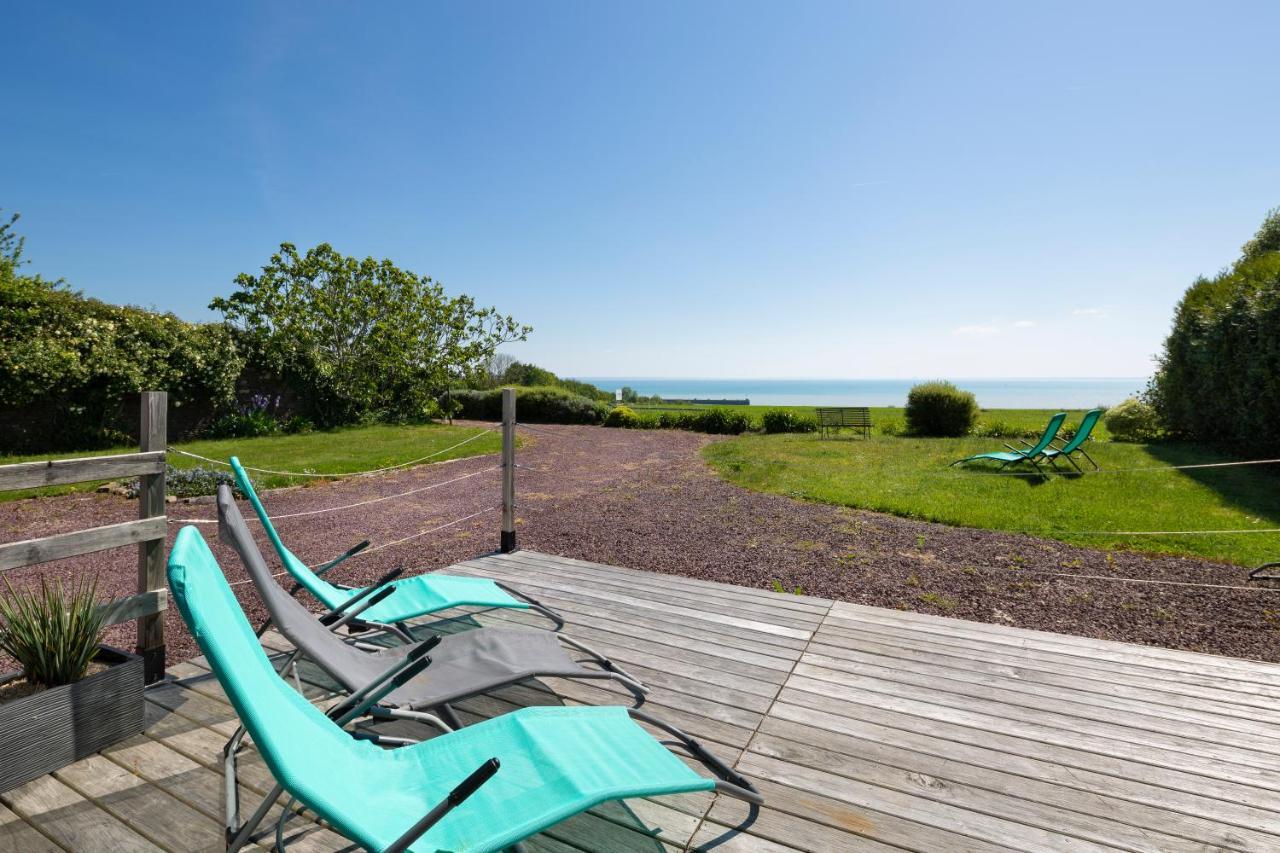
(910, 477)
(1026, 419)
(336, 451)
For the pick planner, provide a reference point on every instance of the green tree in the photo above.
(11, 246)
(68, 363)
(362, 338)
(1218, 378)
(1266, 240)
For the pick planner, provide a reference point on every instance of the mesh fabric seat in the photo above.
(554, 762)
(1076, 443)
(417, 596)
(462, 664)
(1031, 455)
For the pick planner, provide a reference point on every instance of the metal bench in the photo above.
(856, 418)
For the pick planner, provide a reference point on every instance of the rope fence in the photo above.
(1088, 473)
(555, 473)
(367, 473)
(342, 507)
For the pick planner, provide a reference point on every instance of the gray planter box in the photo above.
(56, 727)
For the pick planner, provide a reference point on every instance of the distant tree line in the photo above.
(1218, 378)
(314, 339)
(504, 370)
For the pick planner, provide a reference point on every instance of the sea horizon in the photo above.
(992, 393)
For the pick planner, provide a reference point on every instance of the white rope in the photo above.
(324, 510)
(1142, 580)
(425, 532)
(1073, 473)
(332, 476)
(250, 580)
(1228, 531)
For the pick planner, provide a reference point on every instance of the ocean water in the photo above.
(991, 393)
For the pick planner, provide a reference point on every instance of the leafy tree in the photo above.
(1266, 240)
(68, 363)
(362, 338)
(629, 394)
(11, 246)
(1218, 378)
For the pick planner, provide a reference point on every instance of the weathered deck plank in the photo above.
(867, 730)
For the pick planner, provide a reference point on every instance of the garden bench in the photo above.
(856, 418)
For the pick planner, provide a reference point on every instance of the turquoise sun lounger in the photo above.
(415, 596)
(1076, 442)
(1031, 455)
(482, 788)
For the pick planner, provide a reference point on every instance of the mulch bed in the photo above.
(645, 499)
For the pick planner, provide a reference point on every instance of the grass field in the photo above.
(1025, 419)
(338, 451)
(910, 477)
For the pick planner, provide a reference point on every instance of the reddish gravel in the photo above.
(645, 499)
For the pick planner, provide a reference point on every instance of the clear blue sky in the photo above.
(687, 189)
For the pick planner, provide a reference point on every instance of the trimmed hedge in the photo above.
(1219, 376)
(533, 405)
(940, 409)
(784, 420)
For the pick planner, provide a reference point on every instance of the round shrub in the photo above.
(1132, 420)
(785, 420)
(940, 409)
(622, 416)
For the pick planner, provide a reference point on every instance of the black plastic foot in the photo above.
(508, 543)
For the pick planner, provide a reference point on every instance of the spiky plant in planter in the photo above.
(53, 632)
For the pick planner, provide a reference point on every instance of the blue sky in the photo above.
(669, 189)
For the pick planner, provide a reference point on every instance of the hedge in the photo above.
(71, 368)
(534, 405)
(1218, 379)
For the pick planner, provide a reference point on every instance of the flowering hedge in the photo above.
(68, 364)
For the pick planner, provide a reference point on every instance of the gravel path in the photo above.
(645, 499)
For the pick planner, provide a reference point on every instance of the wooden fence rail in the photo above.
(148, 532)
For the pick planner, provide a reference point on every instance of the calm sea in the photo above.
(991, 393)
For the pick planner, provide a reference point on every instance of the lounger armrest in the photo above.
(455, 798)
(345, 555)
(333, 615)
(365, 603)
(393, 678)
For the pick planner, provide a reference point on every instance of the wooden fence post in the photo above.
(151, 555)
(508, 543)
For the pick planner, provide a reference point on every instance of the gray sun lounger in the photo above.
(464, 664)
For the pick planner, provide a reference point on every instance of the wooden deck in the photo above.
(866, 729)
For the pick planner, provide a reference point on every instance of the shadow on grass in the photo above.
(1254, 489)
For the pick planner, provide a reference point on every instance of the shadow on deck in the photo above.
(865, 729)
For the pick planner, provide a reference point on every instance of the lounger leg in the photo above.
(535, 604)
(731, 782)
(231, 791)
(1095, 465)
(237, 839)
(617, 673)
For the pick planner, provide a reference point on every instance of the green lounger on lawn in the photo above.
(1031, 454)
(415, 596)
(1076, 443)
(481, 788)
